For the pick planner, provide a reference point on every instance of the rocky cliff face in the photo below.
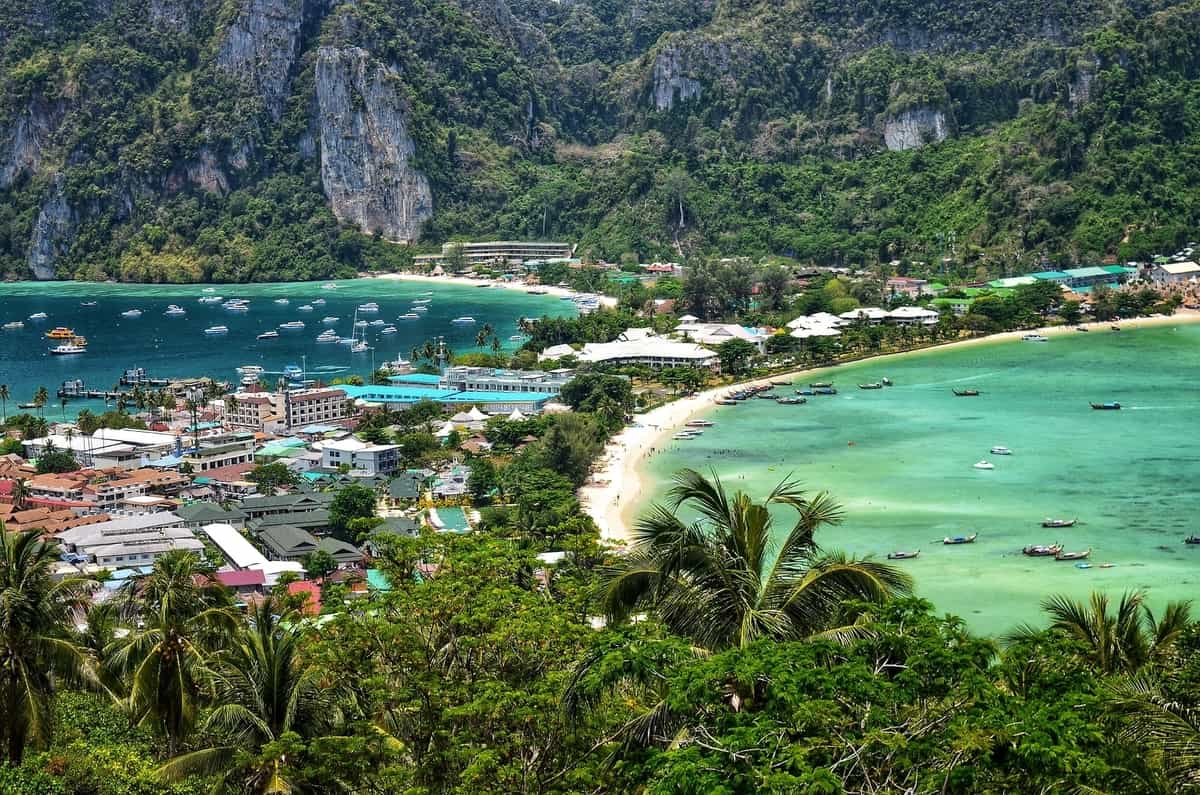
(914, 128)
(53, 232)
(671, 82)
(261, 47)
(366, 151)
(24, 143)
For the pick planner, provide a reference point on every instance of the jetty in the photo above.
(132, 381)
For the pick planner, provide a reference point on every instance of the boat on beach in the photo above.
(984, 465)
(1034, 338)
(1001, 450)
(1084, 329)
(1059, 522)
(953, 540)
(1074, 555)
(901, 555)
(699, 423)
(1042, 550)
(965, 392)
(1112, 406)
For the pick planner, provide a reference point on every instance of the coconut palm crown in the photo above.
(724, 580)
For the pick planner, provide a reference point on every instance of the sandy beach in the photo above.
(609, 497)
(464, 281)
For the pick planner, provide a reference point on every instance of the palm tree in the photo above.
(4, 396)
(40, 398)
(263, 688)
(36, 652)
(1123, 642)
(722, 581)
(182, 615)
(1167, 729)
(20, 492)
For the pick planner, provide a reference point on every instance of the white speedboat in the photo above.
(409, 316)
(370, 306)
(13, 325)
(423, 301)
(67, 348)
(305, 308)
(1035, 338)
(361, 324)
(985, 465)
(283, 301)
(388, 330)
(132, 313)
(330, 319)
(211, 299)
(359, 347)
(292, 325)
(213, 331)
(516, 338)
(43, 316)
(175, 311)
(318, 302)
(421, 308)
(1001, 450)
(250, 369)
(377, 323)
(269, 335)
(237, 305)
(329, 336)
(465, 320)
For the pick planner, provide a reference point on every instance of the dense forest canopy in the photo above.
(257, 139)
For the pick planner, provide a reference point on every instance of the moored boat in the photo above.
(1074, 555)
(1042, 550)
(283, 301)
(388, 330)
(824, 390)
(465, 320)
(1192, 539)
(808, 392)
(304, 308)
(60, 333)
(268, 335)
(953, 540)
(41, 316)
(210, 299)
(13, 325)
(1001, 450)
(175, 311)
(87, 303)
(1035, 338)
(409, 316)
(132, 313)
(885, 381)
(984, 465)
(67, 348)
(292, 325)
(330, 319)
(1059, 522)
(215, 330)
(422, 300)
(250, 369)
(965, 392)
(821, 385)
(370, 306)
(293, 372)
(902, 555)
(876, 385)
(699, 423)
(791, 401)
(1111, 406)
(726, 402)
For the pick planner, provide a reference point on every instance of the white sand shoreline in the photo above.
(609, 497)
(465, 281)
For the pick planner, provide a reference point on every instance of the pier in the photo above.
(133, 381)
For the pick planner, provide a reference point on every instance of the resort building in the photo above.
(293, 543)
(369, 459)
(258, 507)
(488, 379)
(905, 285)
(865, 314)
(221, 451)
(235, 548)
(397, 396)
(130, 541)
(717, 333)
(640, 346)
(499, 250)
(912, 316)
(107, 491)
(249, 410)
(1175, 273)
(307, 406)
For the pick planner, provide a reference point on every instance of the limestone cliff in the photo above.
(23, 144)
(53, 231)
(671, 83)
(367, 152)
(914, 128)
(260, 48)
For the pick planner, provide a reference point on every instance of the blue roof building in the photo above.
(399, 396)
(1052, 276)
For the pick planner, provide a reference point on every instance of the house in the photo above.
(315, 521)
(865, 314)
(221, 451)
(346, 554)
(905, 285)
(286, 542)
(130, 540)
(49, 521)
(716, 333)
(197, 514)
(359, 456)
(249, 582)
(1175, 273)
(392, 526)
(259, 506)
(912, 316)
(310, 593)
(405, 488)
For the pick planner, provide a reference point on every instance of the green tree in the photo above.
(482, 480)
(586, 391)
(37, 656)
(40, 399)
(722, 581)
(735, 355)
(1070, 312)
(354, 501)
(318, 564)
(54, 460)
(273, 476)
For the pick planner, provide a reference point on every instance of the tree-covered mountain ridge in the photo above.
(243, 140)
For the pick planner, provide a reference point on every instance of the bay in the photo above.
(901, 461)
(172, 347)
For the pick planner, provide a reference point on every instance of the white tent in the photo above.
(446, 430)
(476, 415)
(516, 416)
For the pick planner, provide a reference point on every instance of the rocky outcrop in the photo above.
(366, 150)
(53, 232)
(24, 143)
(177, 16)
(1079, 90)
(262, 45)
(914, 128)
(671, 83)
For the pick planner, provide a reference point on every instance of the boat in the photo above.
(13, 325)
(427, 292)
(292, 325)
(821, 385)
(699, 423)
(327, 338)
(1087, 566)
(250, 369)
(132, 313)
(67, 348)
(60, 333)
(282, 301)
(304, 308)
(984, 465)
(361, 324)
(249, 380)
(330, 319)
(953, 540)
(423, 301)
(903, 555)
(885, 381)
(236, 306)
(370, 306)
(40, 316)
(682, 435)
(346, 341)
(465, 320)
(808, 392)
(767, 396)
(1192, 539)
(515, 338)
(409, 316)
(269, 335)
(1112, 406)
(966, 392)
(377, 322)
(388, 330)
(1059, 522)
(1042, 550)
(420, 309)
(824, 390)
(318, 302)
(875, 385)
(1083, 329)
(1073, 555)
(791, 401)
(293, 372)
(175, 311)
(359, 346)
(726, 402)
(87, 303)
(1115, 328)
(214, 330)
(211, 299)
(1001, 450)
(1034, 338)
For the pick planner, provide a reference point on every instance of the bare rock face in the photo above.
(53, 232)
(261, 47)
(914, 128)
(671, 82)
(24, 143)
(206, 173)
(366, 150)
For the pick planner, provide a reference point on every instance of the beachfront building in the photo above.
(865, 314)
(499, 251)
(714, 334)
(249, 410)
(307, 406)
(361, 457)
(126, 448)
(1175, 273)
(635, 347)
(912, 316)
(398, 396)
(489, 379)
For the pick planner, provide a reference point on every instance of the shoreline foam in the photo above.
(610, 495)
(466, 281)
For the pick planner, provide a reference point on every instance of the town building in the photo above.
(1175, 273)
(307, 406)
(221, 451)
(130, 540)
(287, 542)
(397, 396)
(360, 456)
(906, 285)
(249, 410)
(865, 314)
(489, 379)
(261, 506)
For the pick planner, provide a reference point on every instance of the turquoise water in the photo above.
(177, 347)
(901, 461)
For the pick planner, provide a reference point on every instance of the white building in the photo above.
(913, 316)
(652, 351)
(130, 540)
(237, 551)
(869, 314)
(360, 456)
(1175, 273)
(818, 320)
(717, 333)
(557, 352)
(308, 406)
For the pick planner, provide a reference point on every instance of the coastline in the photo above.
(610, 494)
(466, 281)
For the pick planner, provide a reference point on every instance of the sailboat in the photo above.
(358, 345)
